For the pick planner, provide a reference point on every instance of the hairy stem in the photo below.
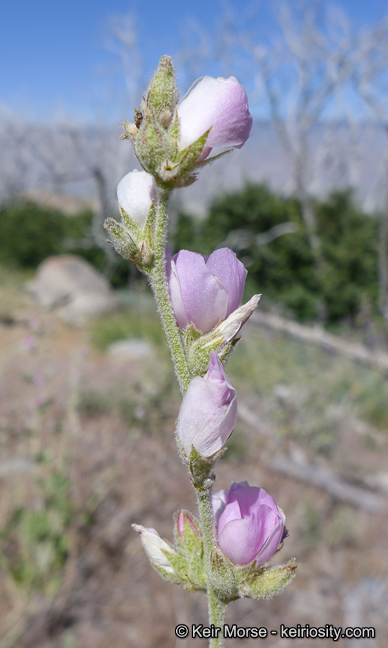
(158, 279)
(216, 607)
(159, 285)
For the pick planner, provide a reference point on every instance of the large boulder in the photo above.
(72, 287)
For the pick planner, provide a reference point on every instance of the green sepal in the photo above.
(190, 549)
(130, 225)
(173, 129)
(191, 334)
(156, 151)
(222, 575)
(124, 241)
(268, 581)
(199, 348)
(149, 225)
(173, 578)
(192, 541)
(201, 469)
(189, 156)
(155, 133)
(150, 145)
(130, 242)
(185, 568)
(189, 574)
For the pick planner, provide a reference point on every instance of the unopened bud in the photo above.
(156, 548)
(185, 520)
(162, 93)
(136, 193)
(208, 411)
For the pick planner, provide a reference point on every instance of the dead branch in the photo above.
(330, 482)
(240, 239)
(316, 335)
(315, 475)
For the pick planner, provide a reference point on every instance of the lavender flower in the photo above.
(250, 525)
(205, 290)
(208, 411)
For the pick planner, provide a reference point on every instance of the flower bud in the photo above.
(204, 290)
(162, 94)
(208, 411)
(133, 237)
(156, 549)
(250, 524)
(219, 104)
(185, 517)
(169, 140)
(136, 193)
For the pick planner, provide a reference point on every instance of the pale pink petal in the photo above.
(221, 104)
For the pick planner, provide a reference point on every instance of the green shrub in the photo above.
(29, 233)
(283, 269)
(349, 246)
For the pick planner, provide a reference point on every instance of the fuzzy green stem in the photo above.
(158, 280)
(217, 608)
(217, 611)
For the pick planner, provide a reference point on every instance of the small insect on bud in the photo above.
(138, 117)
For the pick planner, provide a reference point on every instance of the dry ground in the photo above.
(108, 426)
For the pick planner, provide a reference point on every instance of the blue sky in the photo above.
(54, 59)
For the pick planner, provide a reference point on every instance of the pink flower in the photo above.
(205, 290)
(250, 524)
(221, 104)
(135, 194)
(208, 411)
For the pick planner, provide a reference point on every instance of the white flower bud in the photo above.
(155, 548)
(136, 192)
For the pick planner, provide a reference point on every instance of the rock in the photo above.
(131, 349)
(73, 287)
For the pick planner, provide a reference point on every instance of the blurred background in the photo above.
(88, 395)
